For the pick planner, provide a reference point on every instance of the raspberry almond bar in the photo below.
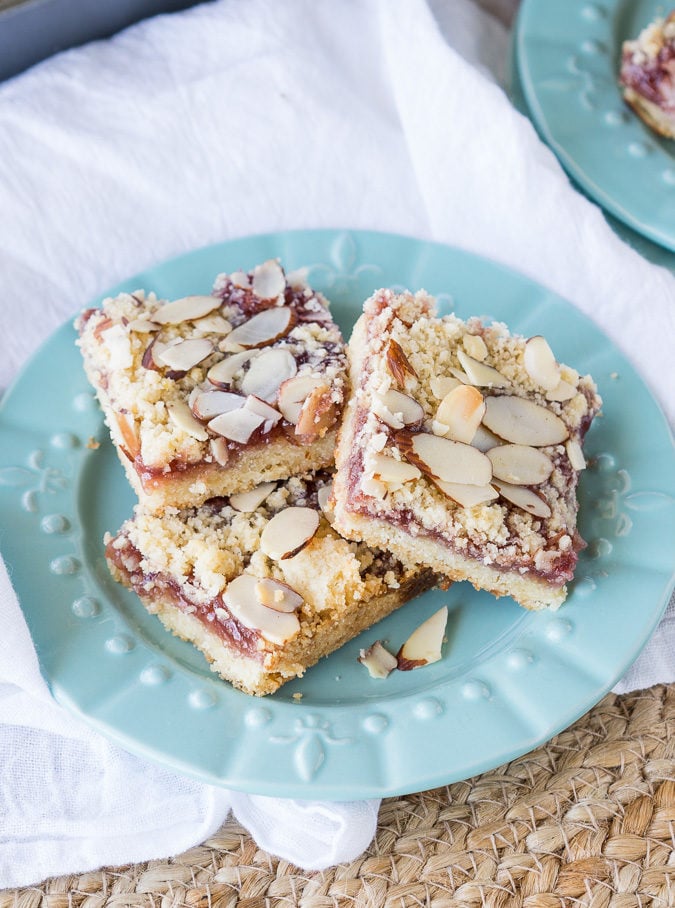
(460, 449)
(259, 581)
(209, 395)
(647, 75)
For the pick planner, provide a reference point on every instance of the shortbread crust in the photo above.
(183, 563)
(400, 345)
(285, 377)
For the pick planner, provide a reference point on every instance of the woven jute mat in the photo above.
(588, 819)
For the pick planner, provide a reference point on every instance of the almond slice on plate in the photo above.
(480, 373)
(397, 363)
(261, 329)
(237, 425)
(523, 498)
(268, 280)
(523, 422)
(397, 409)
(242, 601)
(467, 496)
(292, 394)
(461, 411)
(222, 374)
(207, 404)
(247, 502)
(520, 465)
(267, 371)
(442, 458)
(540, 363)
(389, 470)
(423, 646)
(188, 308)
(185, 354)
(378, 660)
(277, 595)
(182, 417)
(288, 532)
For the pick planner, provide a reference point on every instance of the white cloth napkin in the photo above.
(236, 118)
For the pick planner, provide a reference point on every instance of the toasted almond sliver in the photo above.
(188, 308)
(461, 410)
(237, 425)
(523, 422)
(475, 346)
(292, 394)
(398, 364)
(222, 374)
(288, 532)
(260, 408)
(484, 439)
(213, 324)
(317, 414)
(268, 280)
(523, 498)
(262, 329)
(242, 602)
(441, 384)
(142, 326)
(266, 373)
(423, 646)
(520, 465)
(467, 496)
(278, 596)
(540, 363)
(323, 497)
(181, 416)
(563, 391)
(480, 373)
(185, 354)
(575, 454)
(389, 470)
(248, 501)
(207, 404)
(219, 451)
(378, 660)
(397, 409)
(442, 458)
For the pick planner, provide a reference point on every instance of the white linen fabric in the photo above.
(236, 118)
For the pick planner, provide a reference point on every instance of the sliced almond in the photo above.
(219, 451)
(242, 602)
(461, 410)
(475, 346)
(268, 280)
(127, 427)
(185, 354)
(423, 646)
(148, 358)
(213, 324)
(207, 404)
(317, 414)
(222, 374)
(480, 373)
(323, 497)
(484, 439)
(288, 532)
(247, 502)
(240, 279)
(279, 596)
(520, 465)
(378, 660)
(575, 454)
(268, 370)
(524, 498)
(397, 363)
(182, 417)
(397, 409)
(188, 308)
(389, 470)
(261, 329)
(442, 458)
(292, 394)
(562, 391)
(467, 496)
(441, 384)
(237, 425)
(540, 363)
(270, 416)
(142, 326)
(523, 422)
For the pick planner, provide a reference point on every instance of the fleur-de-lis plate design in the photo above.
(508, 679)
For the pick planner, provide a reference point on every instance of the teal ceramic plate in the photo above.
(568, 57)
(508, 680)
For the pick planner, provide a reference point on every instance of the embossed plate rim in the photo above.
(449, 721)
(566, 52)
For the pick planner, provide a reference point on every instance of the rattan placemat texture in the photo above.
(587, 819)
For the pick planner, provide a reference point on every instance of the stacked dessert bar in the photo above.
(281, 513)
